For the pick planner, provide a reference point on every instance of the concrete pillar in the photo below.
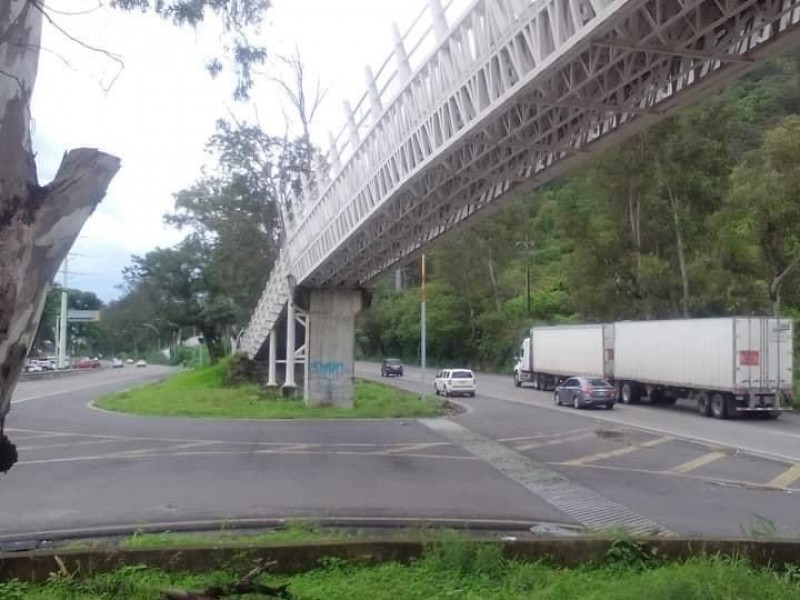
(288, 384)
(273, 359)
(331, 349)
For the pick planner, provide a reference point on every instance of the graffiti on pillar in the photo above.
(329, 370)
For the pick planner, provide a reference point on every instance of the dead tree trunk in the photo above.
(38, 224)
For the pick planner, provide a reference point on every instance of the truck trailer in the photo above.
(550, 354)
(726, 365)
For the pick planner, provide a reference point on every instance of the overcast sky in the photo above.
(161, 108)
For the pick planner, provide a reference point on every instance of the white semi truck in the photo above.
(726, 365)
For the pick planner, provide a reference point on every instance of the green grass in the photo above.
(202, 393)
(456, 570)
(295, 531)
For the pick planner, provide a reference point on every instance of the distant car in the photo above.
(117, 364)
(141, 363)
(32, 367)
(84, 363)
(450, 382)
(129, 361)
(391, 367)
(583, 392)
(46, 365)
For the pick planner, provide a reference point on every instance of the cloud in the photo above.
(162, 106)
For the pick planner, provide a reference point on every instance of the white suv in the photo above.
(455, 381)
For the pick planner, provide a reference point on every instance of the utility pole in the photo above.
(423, 326)
(61, 348)
(528, 246)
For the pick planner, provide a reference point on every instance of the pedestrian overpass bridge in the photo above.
(476, 105)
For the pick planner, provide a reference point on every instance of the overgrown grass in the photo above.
(456, 570)
(295, 531)
(202, 393)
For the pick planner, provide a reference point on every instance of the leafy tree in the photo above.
(764, 207)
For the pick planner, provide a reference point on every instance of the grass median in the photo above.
(204, 393)
(447, 571)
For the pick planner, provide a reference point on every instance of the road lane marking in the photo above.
(106, 383)
(618, 452)
(787, 478)
(68, 444)
(696, 463)
(160, 453)
(754, 485)
(525, 438)
(580, 503)
(412, 447)
(555, 442)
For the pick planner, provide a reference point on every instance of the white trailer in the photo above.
(550, 354)
(727, 365)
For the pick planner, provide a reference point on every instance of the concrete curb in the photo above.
(37, 565)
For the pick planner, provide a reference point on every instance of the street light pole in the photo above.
(528, 246)
(423, 327)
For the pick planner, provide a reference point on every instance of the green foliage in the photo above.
(204, 392)
(457, 571)
(236, 17)
(698, 216)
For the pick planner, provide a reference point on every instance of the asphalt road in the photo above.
(513, 457)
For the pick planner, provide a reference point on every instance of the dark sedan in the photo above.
(391, 367)
(583, 392)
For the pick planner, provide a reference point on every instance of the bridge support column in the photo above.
(273, 359)
(331, 350)
(288, 382)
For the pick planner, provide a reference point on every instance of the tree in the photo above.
(39, 223)
(184, 293)
(764, 207)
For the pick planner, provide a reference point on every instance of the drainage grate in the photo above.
(582, 504)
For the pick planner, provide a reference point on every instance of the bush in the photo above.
(240, 370)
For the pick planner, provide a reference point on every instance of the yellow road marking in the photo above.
(562, 440)
(696, 463)
(537, 436)
(787, 478)
(618, 452)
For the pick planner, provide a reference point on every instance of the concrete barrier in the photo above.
(54, 374)
(37, 565)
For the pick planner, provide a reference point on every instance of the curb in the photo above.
(36, 566)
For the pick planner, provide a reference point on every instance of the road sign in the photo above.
(83, 315)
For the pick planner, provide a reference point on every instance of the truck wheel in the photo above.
(719, 406)
(772, 414)
(517, 382)
(630, 393)
(704, 404)
(537, 384)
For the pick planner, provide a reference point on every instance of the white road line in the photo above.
(160, 453)
(67, 445)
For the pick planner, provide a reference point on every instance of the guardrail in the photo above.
(53, 374)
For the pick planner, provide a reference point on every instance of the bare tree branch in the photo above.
(114, 57)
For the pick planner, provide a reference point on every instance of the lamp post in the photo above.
(423, 327)
(527, 245)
